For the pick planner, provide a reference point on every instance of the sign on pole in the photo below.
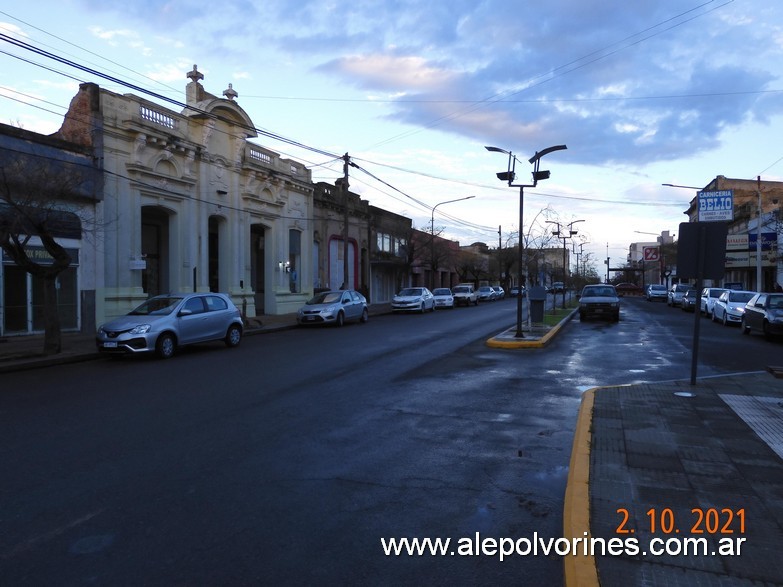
(651, 254)
(716, 205)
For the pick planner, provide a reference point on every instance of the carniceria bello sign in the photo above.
(716, 205)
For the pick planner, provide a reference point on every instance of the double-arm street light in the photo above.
(432, 237)
(509, 177)
(564, 235)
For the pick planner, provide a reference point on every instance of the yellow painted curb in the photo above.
(498, 343)
(580, 570)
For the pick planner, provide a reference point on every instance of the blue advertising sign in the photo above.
(716, 205)
(768, 241)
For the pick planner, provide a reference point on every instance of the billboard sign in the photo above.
(716, 205)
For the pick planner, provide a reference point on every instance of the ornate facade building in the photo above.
(190, 204)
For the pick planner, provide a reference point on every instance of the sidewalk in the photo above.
(700, 461)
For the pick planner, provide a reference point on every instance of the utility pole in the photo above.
(500, 257)
(346, 163)
(759, 279)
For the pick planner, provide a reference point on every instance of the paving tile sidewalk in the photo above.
(680, 459)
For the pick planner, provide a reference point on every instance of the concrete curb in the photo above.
(580, 570)
(508, 342)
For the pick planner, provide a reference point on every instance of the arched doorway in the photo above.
(257, 265)
(155, 250)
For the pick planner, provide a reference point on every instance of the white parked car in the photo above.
(710, 295)
(465, 295)
(730, 306)
(443, 297)
(413, 299)
(487, 294)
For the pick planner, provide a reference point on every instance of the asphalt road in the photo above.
(288, 459)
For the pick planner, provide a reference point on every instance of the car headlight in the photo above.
(140, 329)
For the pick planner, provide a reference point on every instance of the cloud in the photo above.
(620, 83)
(400, 74)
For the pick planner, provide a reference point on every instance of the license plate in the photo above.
(309, 318)
(110, 345)
(598, 310)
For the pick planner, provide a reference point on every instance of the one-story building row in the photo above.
(187, 201)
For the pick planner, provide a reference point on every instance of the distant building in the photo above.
(390, 264)
(339, 218)
(743, 230)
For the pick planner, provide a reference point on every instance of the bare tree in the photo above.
(42, 198)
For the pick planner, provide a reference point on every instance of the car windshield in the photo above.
(325, 297)
(485, 288)
(442, 291)
(601, 292)
(739, 296)
(161, 306)
(461, 290)
(683, 288)
(658, 288)
(715, 293)
(411, 291)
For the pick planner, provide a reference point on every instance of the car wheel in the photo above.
(233, 336)
(340, 320)
(165, 346)
(712, 316)
(725, 320)
(744, 327)
(765, 330)
(365, 316)
(423, 308)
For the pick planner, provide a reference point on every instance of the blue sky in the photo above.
(642, 93)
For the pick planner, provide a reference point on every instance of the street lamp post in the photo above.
(509, 177)
(432, 237)
(564, 235)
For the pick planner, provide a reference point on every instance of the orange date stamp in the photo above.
(713, 521)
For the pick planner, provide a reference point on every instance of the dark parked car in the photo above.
(163, 323)
(557, 287)
(334, 307)
(599, 301)
(676, 292)
(764, 314)
(688, 301)
(628, 288)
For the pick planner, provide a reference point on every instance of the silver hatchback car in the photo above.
(165, 322)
